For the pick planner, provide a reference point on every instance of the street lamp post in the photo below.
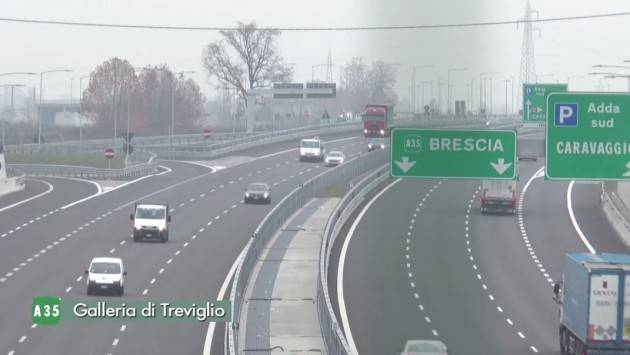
(413, 84)
(613, 76)
(482, 89)
(41, 95)
(448, 88)
(81, 109)
(172, 130)
(12, 86)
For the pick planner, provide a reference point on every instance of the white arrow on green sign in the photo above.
(453, 153)
(588, 136)
(535, 100)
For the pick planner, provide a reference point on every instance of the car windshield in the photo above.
(309, 144)
(105, 268)
(377, 141)
(335, 154)
(150, 213)
(257, 187)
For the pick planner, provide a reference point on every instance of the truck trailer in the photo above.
(593, 293)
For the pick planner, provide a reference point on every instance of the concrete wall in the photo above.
(623, 191)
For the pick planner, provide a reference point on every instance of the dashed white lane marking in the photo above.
(185, 244)
(145, 291)
(34, 326)
(427, 319)
(161, 271)
(115, 342)
(12, 352)
(112, 250)
(209, 223)
(152, 281)
(474, 266)
(435, 333)
(68, 289)
(416, 296)
(79, 278)
(169, 261)
(22, 339)
(122, 242)
(177, 252)
(533, 349)
(123, 327)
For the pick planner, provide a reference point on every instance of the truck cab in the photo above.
(311, 149)
(150, 222)
(498, 196)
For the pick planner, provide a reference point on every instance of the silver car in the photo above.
(425, 347)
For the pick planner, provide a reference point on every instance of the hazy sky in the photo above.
(563, 49)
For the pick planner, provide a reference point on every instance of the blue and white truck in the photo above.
(594, 298)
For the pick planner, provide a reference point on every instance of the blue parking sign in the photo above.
(566, 114)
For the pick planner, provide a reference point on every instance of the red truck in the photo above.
(377, 120)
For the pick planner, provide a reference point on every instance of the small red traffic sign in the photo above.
(207, 133)
(109, 153)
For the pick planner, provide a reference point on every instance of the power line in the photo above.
(319, 29)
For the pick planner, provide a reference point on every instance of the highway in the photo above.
(434, 267)
(210, 226)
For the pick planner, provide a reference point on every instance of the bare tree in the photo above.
(355, 89)
(382, 78)
(246, 58)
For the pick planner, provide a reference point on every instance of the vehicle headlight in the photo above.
(247, 194)
(365, 131)
(382, 146)
(370, 146)
(382, 132)
(266, 195)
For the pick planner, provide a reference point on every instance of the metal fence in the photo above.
(295, 200)
(86, 172)
(332, 333)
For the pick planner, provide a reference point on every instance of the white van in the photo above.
(311, 149)
(150, 222)
(106, 275)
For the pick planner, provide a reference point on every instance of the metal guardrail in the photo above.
(332, 333)
(292, 202)
(87, 172)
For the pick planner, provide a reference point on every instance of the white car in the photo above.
(334, 158)
(106, 275)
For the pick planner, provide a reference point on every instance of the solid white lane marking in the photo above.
(341, 265)
(49, 190)
(574, 220)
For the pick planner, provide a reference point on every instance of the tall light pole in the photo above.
(448, 88)
(482, 87)
(613, 76)
(413, 84)
(81, 109)
(41, 95)
(617, 67)
(12, 86)
(175, 75)
(313, 70)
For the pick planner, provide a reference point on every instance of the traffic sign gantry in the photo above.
(458, 154)
(535, 101)
(588, 136)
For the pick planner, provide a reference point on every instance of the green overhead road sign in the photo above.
(535, 101)
(588, 136)
(458, 154)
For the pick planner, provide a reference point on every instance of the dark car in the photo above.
(257, 193)
(377, 143)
